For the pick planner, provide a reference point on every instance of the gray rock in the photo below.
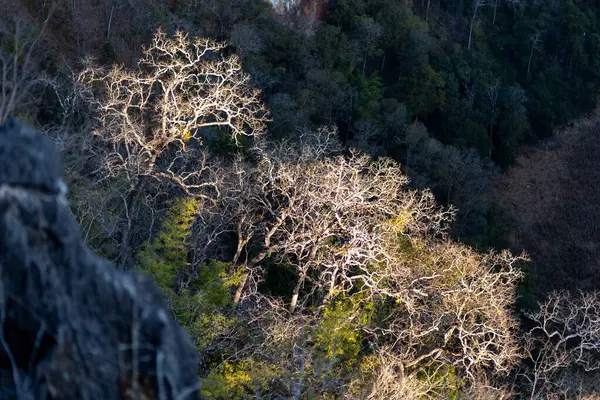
(73, 327)
(29, 159)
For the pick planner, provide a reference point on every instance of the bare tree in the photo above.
(264, 204)
(535, 40)
(427, 10)
(18, 63)
(564, 346)
(463, 321)
(477, 4)
(513, 4)
(323, 214)
(152, 120)
(490, 99)
(350, 227)
(368, 33)
(389, 380)
(246, 40)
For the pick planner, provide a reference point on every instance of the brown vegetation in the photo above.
(302, 266)
(553, 196)
(151, 120)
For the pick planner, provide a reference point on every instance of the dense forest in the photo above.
(344, 199)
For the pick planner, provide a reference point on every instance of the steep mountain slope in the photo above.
(553, 196)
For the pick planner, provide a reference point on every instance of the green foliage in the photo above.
(337, 335)
(445, 379)
(199, 307)
(237, 380)
(424, 90)
(168, 253)
(370, 94)
(108, 54)
(366, 54)
(424, 101)
(279, 279)
(223, 144)
(206, 287)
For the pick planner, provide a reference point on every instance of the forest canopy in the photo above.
(311, 189)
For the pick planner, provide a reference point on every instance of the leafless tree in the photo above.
(535, 40)
(512, 4)
(323, 214)
(152, 120)
(468, 326)
(477, 4)
(246, 40)
(455, 308)
(264, 203)
(490, 99)
(563, 347)
(18, 63)
(350, 226)
(515, 5)
(389, 380)
(485, 388)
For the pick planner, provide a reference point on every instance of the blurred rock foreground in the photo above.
(72, 326)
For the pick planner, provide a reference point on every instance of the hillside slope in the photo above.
(552, 194)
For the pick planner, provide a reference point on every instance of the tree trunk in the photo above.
(267, 249)
(299, 384)
(491, 138)
(131, 204)
(471, 29)
(364, 64)
(259, 257)
(529, 62)
(242, 242)
(112, 8)
(427, 10)
(125, 253)
(239, 290)
(570, 63)
(296, 291)
(332, 283)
